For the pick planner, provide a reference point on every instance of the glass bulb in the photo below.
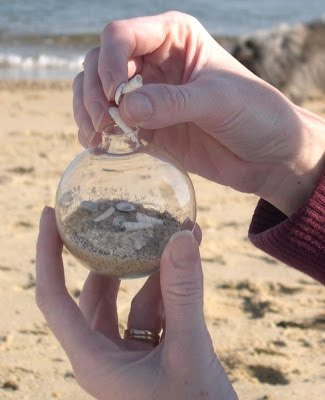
(118, 205)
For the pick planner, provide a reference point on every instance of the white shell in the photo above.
(106, 214)
(148, 220)
(124, 88)
(89, 205)
(125, 207)
(130, 133)
(118, 93)
(135, 226)
(118, 221)
(133, 84)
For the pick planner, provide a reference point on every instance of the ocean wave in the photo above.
(42, 61)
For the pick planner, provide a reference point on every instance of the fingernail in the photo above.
(184, 249)
(97, 113)
(138, 107)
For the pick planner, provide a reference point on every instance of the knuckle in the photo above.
(192, 20)
(176, 15)
(185, 293)
(175, 99)
(112, 29)
(180, 17)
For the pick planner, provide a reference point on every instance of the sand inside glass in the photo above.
(108, 249)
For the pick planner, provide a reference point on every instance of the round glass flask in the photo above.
(118, 205)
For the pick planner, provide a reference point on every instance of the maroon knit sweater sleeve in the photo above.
(298, 241)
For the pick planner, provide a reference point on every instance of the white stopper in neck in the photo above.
(133, 84)
(130, 133)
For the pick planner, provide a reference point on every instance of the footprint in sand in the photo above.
(257, 308)
(10, 385)
(21, 170)
(268, 375)
(5, 268)
(317, 322)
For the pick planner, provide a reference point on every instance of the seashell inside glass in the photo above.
(118, 204)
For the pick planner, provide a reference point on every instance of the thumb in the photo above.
(159, 105)
(182, 284)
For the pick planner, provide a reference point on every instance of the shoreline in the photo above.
(53, 57)
(35, 84)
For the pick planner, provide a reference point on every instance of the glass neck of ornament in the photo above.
(116, 142)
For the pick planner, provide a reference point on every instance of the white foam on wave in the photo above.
(42, 61)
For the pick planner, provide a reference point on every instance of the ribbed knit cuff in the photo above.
(298, 241)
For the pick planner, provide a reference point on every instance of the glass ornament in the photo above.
(118, 204)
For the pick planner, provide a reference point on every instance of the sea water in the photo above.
(48, 39)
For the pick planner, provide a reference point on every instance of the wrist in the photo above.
(292, 182)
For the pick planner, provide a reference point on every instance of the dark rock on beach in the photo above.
(291, 58)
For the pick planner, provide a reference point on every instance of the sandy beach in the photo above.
(267, 321)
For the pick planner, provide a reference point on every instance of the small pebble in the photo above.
(118, 221)
(69, 375)
(125, 207)
(89, 205)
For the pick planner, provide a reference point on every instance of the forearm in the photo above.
(290, 184)
(289, 221)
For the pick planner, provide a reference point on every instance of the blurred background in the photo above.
(266, 320)
(48, 39)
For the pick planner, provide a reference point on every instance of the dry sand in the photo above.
(267, 321)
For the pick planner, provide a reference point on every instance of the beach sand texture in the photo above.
(267, 321)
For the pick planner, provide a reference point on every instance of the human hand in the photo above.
(182, 366)
(217, 118)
